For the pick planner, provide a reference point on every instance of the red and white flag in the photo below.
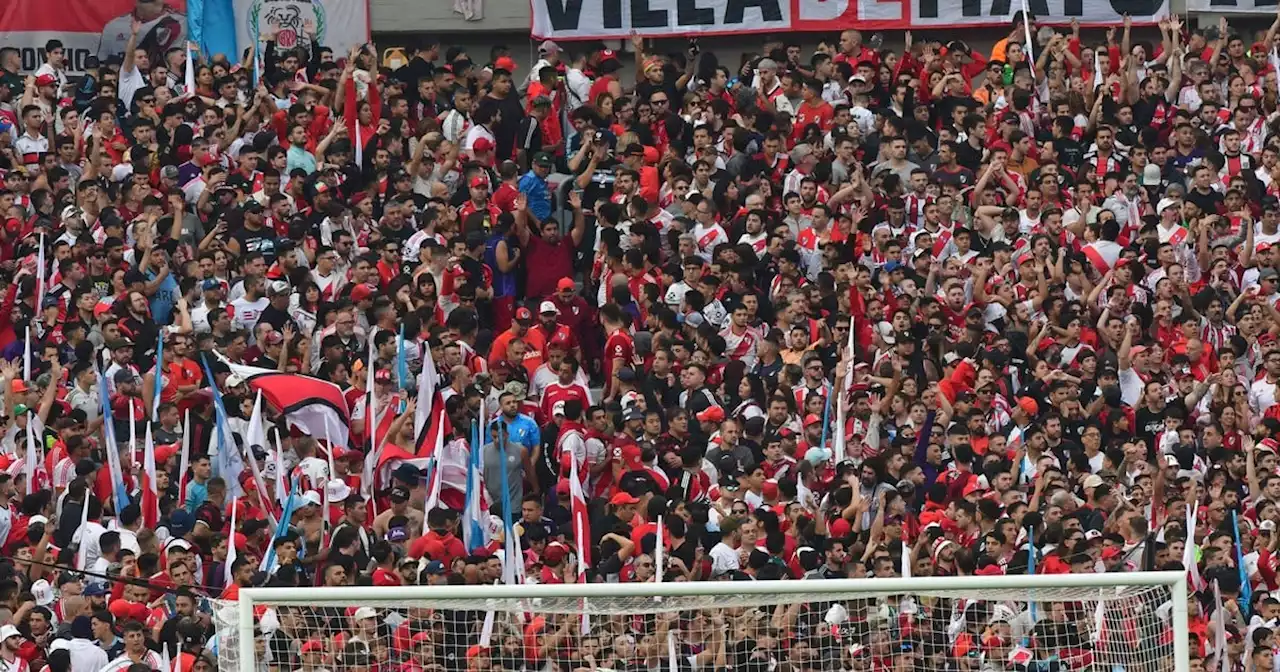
(582, 532)
(1103, 254)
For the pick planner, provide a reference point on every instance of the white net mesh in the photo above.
(1126, 629)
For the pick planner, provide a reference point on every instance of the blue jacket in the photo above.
(538, 194)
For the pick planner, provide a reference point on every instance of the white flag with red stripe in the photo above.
(1103, 254)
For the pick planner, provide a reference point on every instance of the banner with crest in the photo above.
(338, 24)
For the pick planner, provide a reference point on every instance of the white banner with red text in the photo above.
(598, 19)
(1232, 6)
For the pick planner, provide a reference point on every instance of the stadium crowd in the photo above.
(866, 312)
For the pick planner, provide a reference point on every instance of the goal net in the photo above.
(1134, 622)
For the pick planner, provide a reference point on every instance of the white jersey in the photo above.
(741, 347)
(245, 313)
(708, 238)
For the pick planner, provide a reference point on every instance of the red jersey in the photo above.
(805, 115)
(618, 346)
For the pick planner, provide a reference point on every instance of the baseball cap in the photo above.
(565, 285)
(523, 314)
(481, 145)
(543, 159)
(505, 63)
(360, 293)
(548, 308)
(1165, 204)
(623, 499)
(548, 47)
(711, 414)
(46, 80)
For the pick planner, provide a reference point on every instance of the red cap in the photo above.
(1110, 552)
(479, 182)
(631, 457)
(562, 488)
(420, 637)
(46, 80)
(380, 376)
(100, 309)
(481, 145)
(360, 293)
(554, 554)
(622, 499)
(313, 646)
(356, 199)
(711, 414)
(523, 314)
(565, 285)
(505, 63)
(477, 650)
(812, 419)
(840, 528)
(1025, 257)
(608, 55)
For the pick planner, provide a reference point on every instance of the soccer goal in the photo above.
(1119, 622)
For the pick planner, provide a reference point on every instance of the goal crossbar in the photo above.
(830, 589)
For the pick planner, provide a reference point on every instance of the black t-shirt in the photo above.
(1148, 423)
(261, 240)
(1207, 202)
(969, 156)
(505, 132)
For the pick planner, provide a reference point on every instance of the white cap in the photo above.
(1092, 481)
(338, 490)
(120, 172)
(42, 592)
(365, 612)
(548, 307)
(279, 287)
(1092, 534)
(234, 381)
(1165, 204)
(312, 497)
(9, 631)
(37, 519)
(1267, 525)
(557, 408)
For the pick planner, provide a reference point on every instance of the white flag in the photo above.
(658, 554)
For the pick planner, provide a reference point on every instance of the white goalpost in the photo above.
(1113, 622)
